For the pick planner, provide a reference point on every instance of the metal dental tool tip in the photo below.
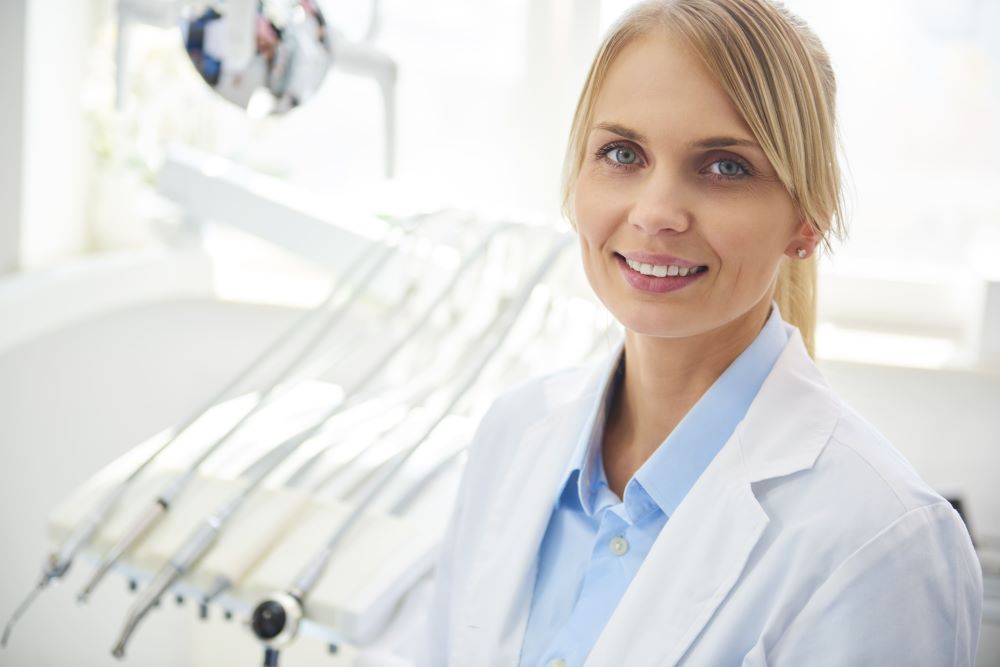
(22, 608)
(58, 563)
(148, 599)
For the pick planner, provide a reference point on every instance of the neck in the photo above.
(665, 377)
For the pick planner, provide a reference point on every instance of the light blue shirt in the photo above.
(595, 541)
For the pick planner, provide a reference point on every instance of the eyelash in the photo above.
(602, 155)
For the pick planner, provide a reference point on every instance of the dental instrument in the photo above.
(59, 562)
(207, 533)
(169, 494)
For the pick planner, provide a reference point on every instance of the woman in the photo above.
(703, 498)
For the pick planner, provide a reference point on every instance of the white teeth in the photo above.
(660, 271)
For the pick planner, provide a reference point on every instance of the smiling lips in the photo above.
(658, 273)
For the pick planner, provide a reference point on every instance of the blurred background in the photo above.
(160, 224)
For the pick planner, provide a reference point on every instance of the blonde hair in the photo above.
(779, 77)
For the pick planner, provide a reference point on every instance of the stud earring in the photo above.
(801, 252)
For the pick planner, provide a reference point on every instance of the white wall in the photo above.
(12, 23)
(56, 156)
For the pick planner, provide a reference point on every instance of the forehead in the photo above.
(660, 87)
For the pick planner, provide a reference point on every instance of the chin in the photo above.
(656, 321)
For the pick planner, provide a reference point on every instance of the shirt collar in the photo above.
(677, 463)
(575, 489)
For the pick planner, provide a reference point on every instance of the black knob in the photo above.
(268, 619)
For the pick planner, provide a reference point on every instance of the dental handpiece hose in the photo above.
(151, 516)
(209, 531)
(223, 582)
(420, 485)
(312, 572)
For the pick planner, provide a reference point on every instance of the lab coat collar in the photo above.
(708, 540)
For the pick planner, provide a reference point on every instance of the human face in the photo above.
(672, 176)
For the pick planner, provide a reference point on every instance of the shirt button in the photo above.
(558, 662)
(618, 545)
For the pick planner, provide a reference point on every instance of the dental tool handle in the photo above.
(135, 532)
(152, 515)
(60, 561)
(200, 541)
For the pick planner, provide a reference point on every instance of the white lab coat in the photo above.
(808, 540)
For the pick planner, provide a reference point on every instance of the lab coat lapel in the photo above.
(704, 547)
(498, 597)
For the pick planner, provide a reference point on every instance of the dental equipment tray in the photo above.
(383, 557)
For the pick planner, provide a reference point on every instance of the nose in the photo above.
(661, 205)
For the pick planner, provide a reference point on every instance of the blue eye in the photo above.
(623, 155)
(618, 155)
(729, 168)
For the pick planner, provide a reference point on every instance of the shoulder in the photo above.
(860, 497)
(859, 480)
(885, 477)
(828, 480)
(810, 454)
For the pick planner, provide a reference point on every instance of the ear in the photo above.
(805, 237)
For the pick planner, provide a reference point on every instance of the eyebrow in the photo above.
(724, 142)
(710, 142)
(621, 131)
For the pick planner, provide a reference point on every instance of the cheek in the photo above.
(598, 209)
(597, 216)
(751, 242)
